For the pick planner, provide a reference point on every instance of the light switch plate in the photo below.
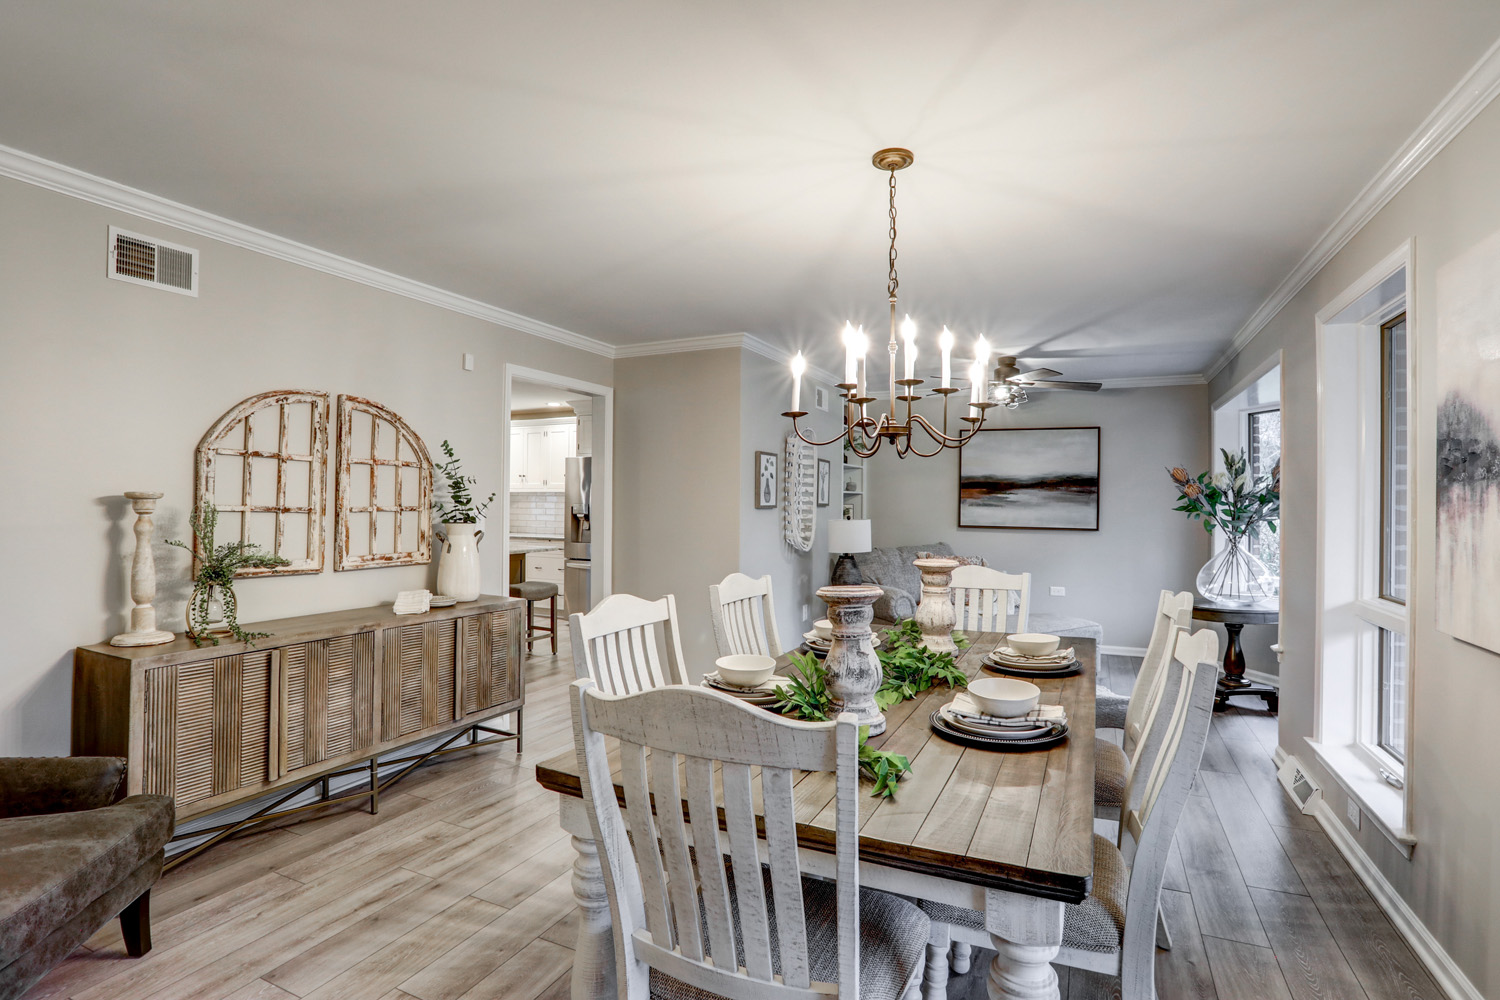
(1059, 591)
(1352, 808)
(468, 362)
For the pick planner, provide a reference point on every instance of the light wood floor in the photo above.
(459, 890)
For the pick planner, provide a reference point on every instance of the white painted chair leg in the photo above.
(1163, 934)
(935, 980)
(962, 957)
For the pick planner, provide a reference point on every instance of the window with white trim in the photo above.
(1364, 537)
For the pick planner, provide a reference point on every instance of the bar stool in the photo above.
(533, 592)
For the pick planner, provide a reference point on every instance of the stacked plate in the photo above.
(961, 721)
(1006, 660)
(763, 695)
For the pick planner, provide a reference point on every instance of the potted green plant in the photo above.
(460, 514)
(1237, 504)
(212, 606)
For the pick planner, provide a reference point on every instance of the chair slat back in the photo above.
(1182, 717)
(620, 643)
(744, 615)
(981, 599)
(1173, 612)
(671, 738)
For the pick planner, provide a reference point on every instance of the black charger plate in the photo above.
(1071, 670)
(968, 739)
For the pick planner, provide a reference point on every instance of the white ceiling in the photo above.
(536, 396)
(1107, 188)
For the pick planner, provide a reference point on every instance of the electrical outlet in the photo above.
(468, 362)
(1059, 591)
(1352, 808)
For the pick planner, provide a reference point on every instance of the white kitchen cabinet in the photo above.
(538, 452)
(548, 568)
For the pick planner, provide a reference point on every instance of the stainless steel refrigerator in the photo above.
(578, 475)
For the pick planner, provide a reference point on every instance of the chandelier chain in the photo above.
(893, 283)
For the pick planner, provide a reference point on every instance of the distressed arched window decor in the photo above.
(382, 490)
(263, 465)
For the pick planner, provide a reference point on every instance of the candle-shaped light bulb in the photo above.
(945, 343)
(799, 365)
(982, 359)
(861, 345)
(909, 334)
(976, 379)
(851, 354)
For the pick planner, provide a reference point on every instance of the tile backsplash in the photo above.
(536, 514)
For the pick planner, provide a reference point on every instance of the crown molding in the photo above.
(1153, 381)
(720, 341)
(66, 180)
(1472, 94)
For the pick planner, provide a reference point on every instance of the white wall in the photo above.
(106, 386)
(1112, 575)
(1452, 880)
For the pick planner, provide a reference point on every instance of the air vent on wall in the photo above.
(145, 260)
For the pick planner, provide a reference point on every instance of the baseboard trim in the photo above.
(1450, 978)
(1123, 650)
(1261, 677)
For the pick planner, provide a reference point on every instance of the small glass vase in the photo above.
(1234, 577)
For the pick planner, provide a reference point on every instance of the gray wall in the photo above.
(1452, 881)
(677, 456)
(107, 386)
(766, 391)
(1112, 575)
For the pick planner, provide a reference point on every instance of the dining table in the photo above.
(1005, 833)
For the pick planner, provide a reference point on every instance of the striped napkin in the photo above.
(963, 707)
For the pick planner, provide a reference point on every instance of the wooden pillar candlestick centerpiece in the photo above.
(143, 630)
(935, 613)
(854, 672)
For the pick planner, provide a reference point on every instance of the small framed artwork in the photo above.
(820, 398)
(825, 482)
(848, 512)
(1030, 477)
(765, 479)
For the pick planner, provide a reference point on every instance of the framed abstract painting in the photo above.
(1030, 477)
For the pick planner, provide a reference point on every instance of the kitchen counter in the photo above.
(524, 546)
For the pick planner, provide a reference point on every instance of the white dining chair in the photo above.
(1112, 761)
(686, 923)
(744, 615)
(1114, 931)
(628, 644)
(982, 598)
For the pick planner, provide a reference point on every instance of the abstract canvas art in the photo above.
(1468, 445)
(1036, 477)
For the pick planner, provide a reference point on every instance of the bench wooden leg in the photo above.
(135, 924)
(552, 602)
(530, 634)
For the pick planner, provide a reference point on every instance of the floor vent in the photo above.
(147, 261)
(1303, 790)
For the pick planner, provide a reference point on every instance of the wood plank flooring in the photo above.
(460, 890)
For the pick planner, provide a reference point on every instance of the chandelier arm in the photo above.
(940, 436)
(816, 444)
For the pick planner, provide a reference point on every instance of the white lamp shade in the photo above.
(848, 536)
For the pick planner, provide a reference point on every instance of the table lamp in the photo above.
(847, 537)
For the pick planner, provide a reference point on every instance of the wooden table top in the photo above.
(1235, 616)
(1017, 821)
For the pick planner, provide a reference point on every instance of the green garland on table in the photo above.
(908, 668)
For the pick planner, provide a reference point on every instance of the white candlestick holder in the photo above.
(143, 630)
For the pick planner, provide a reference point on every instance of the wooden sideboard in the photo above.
(217, 725)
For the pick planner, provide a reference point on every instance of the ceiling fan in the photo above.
(1010, 383)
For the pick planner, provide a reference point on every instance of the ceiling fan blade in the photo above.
(1034, 374)
(1079, 386)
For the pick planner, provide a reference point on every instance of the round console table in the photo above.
(1234, 682)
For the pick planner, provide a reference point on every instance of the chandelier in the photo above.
(864, 433)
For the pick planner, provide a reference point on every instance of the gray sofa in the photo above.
(73, 854)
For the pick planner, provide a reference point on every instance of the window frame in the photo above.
(1247, 416)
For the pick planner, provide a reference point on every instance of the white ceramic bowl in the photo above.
(746, 670)
(1033, 643)
(824, 628)
(1004, 697)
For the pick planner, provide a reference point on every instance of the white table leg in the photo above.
(962, 954)
(594, 954)
(1026, 932)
